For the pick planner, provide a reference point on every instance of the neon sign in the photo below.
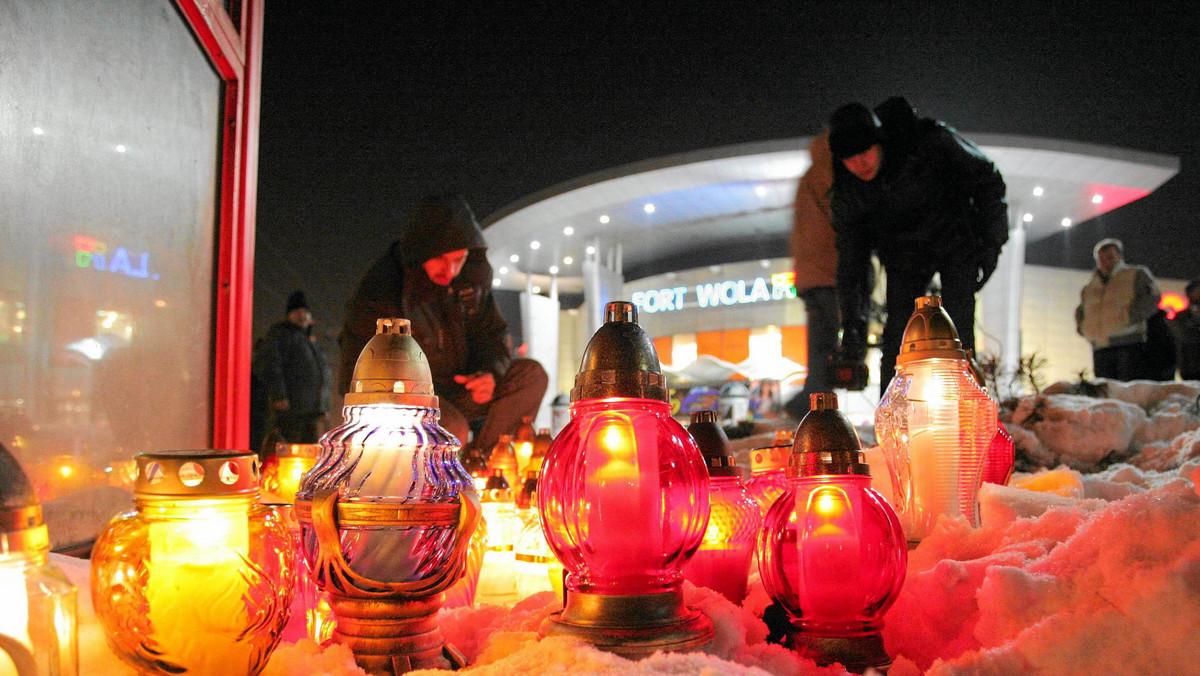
(730, 292)
(92, 253)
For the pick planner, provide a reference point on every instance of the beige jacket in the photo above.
(1113, 312)
(814, 257)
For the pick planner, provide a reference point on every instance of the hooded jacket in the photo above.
(459, 326)
(936, 196)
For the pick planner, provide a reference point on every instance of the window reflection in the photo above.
(109, 187)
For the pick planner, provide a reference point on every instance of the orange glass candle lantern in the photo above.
(623, 498)
(934, 424)
(200, 577)
(387, 513)
(281, 472)
(723, 561)
(37, 602)
(504, 459)
(832, 551)
(311, 614)
(541, 444)
(768, 471)
(523, 446)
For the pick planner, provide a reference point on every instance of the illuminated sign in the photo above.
(1173, 303)
(91, 253)
(730, 292)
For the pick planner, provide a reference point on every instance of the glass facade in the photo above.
(109, 188)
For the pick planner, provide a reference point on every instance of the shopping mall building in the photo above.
(699, 241)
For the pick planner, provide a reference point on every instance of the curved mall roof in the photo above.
(733, 203)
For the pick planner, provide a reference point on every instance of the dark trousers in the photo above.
(518, 394)
(821, 309)
(903, 288)
(1121, 362)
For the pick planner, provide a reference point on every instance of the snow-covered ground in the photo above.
(1098, 572)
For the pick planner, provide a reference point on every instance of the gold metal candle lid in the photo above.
(620, 360)
(206, 473)
(713, 444)
(930, 334)
(22, 529)
(286, 450)
(826, 442)
(392, 369)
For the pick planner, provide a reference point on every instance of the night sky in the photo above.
(368, 106)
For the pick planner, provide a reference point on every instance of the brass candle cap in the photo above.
(631, 625)
(22, 528)
(710, 437)
(390, 636)
(930, 334)
(198, 474)
(826, 442)
(392, 369)
(620, 360)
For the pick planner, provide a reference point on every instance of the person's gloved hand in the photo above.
(987, 265)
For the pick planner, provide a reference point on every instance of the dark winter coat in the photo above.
(1187, 331)
(937, 197)
(459, 326)
(294, 367)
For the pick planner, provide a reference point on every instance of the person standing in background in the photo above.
(1113, 311)
(295, 373)
(925, 200)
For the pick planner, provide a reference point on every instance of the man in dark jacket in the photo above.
(926, 201)
(293, 368)
(1187, 331)
(437, 276)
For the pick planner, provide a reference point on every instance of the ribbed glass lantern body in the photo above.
(833, 554)
(194, 585)
(386, 453)
(37, 617)
(723, 561)
(623, 497)
(934, 424)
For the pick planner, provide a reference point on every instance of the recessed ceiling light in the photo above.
(554, 269)
(536, 289)
(1028, 218)
(761, 191)
(1037, 191)
(591, 250)
(514, 258)
(38, 131)
(1066, 222)
(567, 260)
(604, 218)
(121, 148)
(496, 282)
(765, 263)
(504, 269)
(568, 231)
(1096, 199)
(535, 245)
(715, 269)
(649, 208)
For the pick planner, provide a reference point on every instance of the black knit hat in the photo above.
(852, 129)
(296, 301)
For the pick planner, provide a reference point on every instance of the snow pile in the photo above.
(1087, 586)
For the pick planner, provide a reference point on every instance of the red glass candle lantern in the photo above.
(723, 561)
(768, 471)
(1001, 454)
(623, 498)
(832, 551)
(934, 424)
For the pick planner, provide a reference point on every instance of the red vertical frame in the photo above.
(235, 50)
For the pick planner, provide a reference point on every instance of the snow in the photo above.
(1096, 573)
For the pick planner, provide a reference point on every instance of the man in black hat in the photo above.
(295, 372)
(926, 201)
(437, 276)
